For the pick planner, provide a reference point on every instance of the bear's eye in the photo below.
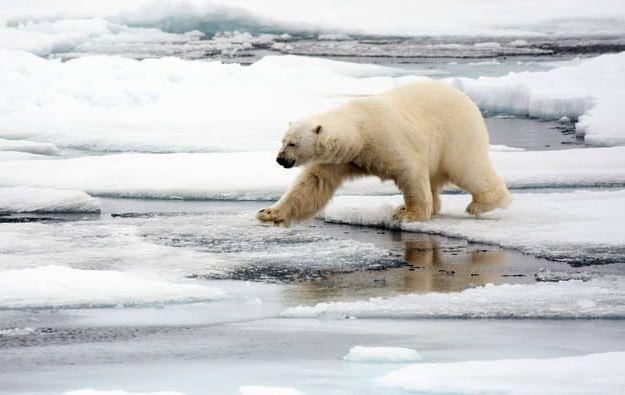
(291, 144)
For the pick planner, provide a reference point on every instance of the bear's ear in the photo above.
(317, 129)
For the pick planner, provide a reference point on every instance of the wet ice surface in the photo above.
(237, 338)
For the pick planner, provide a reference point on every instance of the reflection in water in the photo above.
(433, 264)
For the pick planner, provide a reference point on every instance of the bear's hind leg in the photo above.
(482, 202)
(485, 186)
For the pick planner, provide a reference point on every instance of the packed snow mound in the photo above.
(596, 298)
(256, 176)
(589, 91)
(60, 286)
(30, 147)
(554, 225)
(430, 18)
(584, 374)
(382, 354)
(265, 390)
(168, 104)
(46, 200)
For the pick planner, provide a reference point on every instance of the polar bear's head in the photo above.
(300, 144)
(324, 138)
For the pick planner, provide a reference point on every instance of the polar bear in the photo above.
(422, 136)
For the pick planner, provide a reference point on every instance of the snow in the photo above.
(589, 90)
(265, 390)
(597, 298)
(584, 374)
(382, 354)
(255, 175)
(547, 224)
(60, 286)
(46, 200)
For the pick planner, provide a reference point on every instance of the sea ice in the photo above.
(60, 286)
(168, 104)
(585, 374)
(596, 298)
(382, 354)
(46, 200)
(429, 18)
(30, 147)
(582, 225)
(589, 90)
(255, 175)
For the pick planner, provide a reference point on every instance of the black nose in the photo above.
(284, 162)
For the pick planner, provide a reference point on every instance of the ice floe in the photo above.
(60, 286)
(46, 200)
(168, 104)
(30, 147)
(255, 175)
(580, 226)
(382, 354)
(589, 91)
(596, 298)
(583, 374)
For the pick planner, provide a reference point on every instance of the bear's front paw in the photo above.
(418, 214)
(271, 214)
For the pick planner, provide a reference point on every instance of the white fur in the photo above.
(422, 136)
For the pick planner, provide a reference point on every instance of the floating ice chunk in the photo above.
(30, 147)
(382, 354)
(60, 286)
(118, 392)
(597, 298)
(265, 390)
(589, 91)
(17, 331)
(358, 70)
(46, 200)
(584, 374)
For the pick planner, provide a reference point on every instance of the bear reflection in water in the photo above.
(433, 265)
